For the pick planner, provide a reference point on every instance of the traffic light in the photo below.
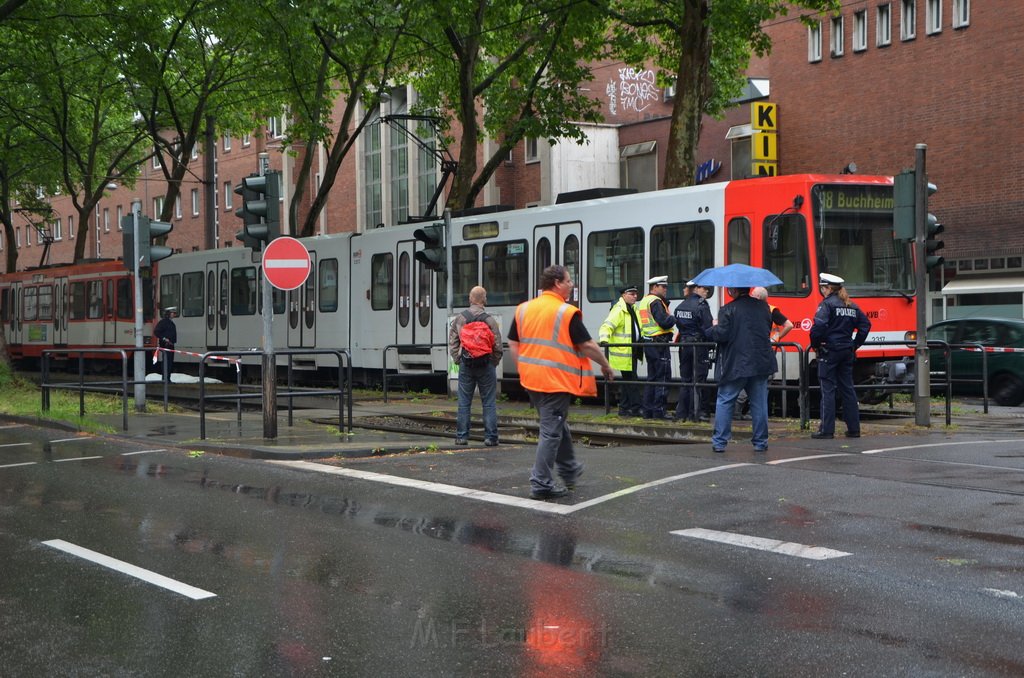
(433, 255)
(128, 241)
(261, 209)
(904, 191)
(150, 231)
(932, 244)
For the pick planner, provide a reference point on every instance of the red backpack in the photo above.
(477, 340)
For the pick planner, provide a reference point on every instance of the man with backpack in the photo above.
(474, 343)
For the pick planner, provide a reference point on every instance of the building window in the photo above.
(883, 26)
(156, 159)
(120, 215)
(836, 36)
(228, 195)
(398, 160)
(177, 206)
(195, 202)
(532, 151)
(373, 186)
(814, 42)
(246, 140)
(71, 228)
(106, 220)
(638, 166)
(57, 235)
(933, 17)
(194, 153)
(908, 19)
(961, 13)
(227, 142)
(860, 30)
(17, 236)
(158, 207)
(275, 127)
(426, 171)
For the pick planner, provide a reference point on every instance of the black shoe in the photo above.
(461, 441)
(853, 434)
(491, 443)
(818, 435)
(553, 493)
(718, 450)
(571, 484)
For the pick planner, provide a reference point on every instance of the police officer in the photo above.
(621, 328)
(832, 338)
(693, 319)
(656, 325)
(166, 335)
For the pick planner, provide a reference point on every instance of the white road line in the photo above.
(16, 445)
(762, 544)
(57, 461)
(24, 463)
(481, 495)
(70, 440)
(923, 445)
(815, 456)
(1001, 593)
(2, 428)
(147, 576)
(128, 454)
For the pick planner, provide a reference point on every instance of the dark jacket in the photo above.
(166, 333)
(743, 334)
(834, 323)
(693, 318)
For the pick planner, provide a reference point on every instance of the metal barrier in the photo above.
(81, 386)
(344, 385)
(384, 365)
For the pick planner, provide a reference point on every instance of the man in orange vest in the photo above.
(553, 350)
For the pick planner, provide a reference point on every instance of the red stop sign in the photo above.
(286, 263)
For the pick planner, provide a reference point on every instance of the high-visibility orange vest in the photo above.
(548, 361)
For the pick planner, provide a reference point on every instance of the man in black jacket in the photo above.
(745, 362)
(166, 335)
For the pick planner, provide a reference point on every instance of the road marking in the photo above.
(24, 463)
(1000, 593)
(923, 445)
(761, 544)
(57, 461)
(70, 440)
(2, 428)
(15, 445)
(482, 495)
(147, 576)
(815, 456)
(128, 454)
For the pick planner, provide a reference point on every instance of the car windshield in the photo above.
(853, 228)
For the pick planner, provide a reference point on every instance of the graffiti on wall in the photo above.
(634, 91)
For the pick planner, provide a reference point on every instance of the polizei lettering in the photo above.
(846, 311)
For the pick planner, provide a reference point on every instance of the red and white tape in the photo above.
(994, 349)
(236, 361)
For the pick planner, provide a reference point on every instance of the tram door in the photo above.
(217, 304)
(60, 311)
(302, 310)
(15, 313)
(405, 294)
(558, 244)
(109, 320)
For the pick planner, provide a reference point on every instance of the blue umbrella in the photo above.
(737, 275)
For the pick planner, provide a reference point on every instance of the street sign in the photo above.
(286, 263)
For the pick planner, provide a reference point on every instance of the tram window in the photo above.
(147, 297)
(77, 301)
(5, 305)
(615, 259)
(30, 303)
(124, 299)
(786, 254)
(46, 302)
(423, 296)
(571, 259)
(170, 291)
(95, 299)
(681, 251)
(243, 291)
(542, 258)
(328, 286)
(739, 242)
(192, 295)
(382, 275)
(466, 262)
(505, 272)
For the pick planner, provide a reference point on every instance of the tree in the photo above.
(506, 71)
(706, 47)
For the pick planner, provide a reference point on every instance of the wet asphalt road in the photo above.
(314, 573)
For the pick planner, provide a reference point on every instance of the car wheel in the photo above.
(1007, 389)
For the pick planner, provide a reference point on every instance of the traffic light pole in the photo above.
(922, 401)
(139, 376)
(269, 367)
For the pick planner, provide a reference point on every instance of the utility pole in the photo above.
(922, 401)
(269, 359)
(139, 376)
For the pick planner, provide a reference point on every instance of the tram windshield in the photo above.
(853, 233)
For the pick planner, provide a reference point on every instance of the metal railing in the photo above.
(121, 387)
(343, 392)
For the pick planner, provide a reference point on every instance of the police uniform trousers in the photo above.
(693, 367)
(835, 373)
(659, 369)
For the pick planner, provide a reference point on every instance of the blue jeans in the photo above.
(486, 378)
(835, 373)
(728, 391)
(554, 446)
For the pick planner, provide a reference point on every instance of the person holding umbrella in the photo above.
(832, 339)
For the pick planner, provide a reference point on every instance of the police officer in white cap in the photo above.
(832, 337)
(656, 325)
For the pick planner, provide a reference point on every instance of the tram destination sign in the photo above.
(286, 263)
